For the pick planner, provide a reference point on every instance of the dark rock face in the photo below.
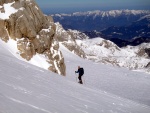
(147, 50)
(137, 29)
(133, 42)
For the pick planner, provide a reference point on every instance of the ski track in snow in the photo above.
(25, 88)
(17, 101)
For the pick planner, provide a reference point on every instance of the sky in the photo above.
(69, 6)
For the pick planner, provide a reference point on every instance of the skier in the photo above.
(81, 72)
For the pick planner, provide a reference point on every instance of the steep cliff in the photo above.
(34, 32)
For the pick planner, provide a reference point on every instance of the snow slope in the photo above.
(119, 81)
(25, 88)
(11, 46)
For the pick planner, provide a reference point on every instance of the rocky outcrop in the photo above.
(67, 38)
(147, 50)
(3, 32)
(33, 31)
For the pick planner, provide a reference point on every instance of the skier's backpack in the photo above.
(82, 71)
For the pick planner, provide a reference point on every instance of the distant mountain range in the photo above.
(123, 27)
(133, 34)
(99, 20)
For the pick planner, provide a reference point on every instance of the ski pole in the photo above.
(84, 79)
(76, 77)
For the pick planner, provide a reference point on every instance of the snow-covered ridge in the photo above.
(105, 51)
(145, 17)
(99, 20)
(112, 13)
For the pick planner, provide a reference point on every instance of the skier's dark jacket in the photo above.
(80, 71)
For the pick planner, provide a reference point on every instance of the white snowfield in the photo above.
(8, 11)
(25, 88)
(105, 51)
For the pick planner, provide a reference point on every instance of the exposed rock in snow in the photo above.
(147, 50)
(104, 51)
(67, 38)
(23, 21)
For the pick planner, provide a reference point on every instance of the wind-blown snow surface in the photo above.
(25, 88)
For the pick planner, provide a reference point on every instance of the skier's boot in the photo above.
(80, 81)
